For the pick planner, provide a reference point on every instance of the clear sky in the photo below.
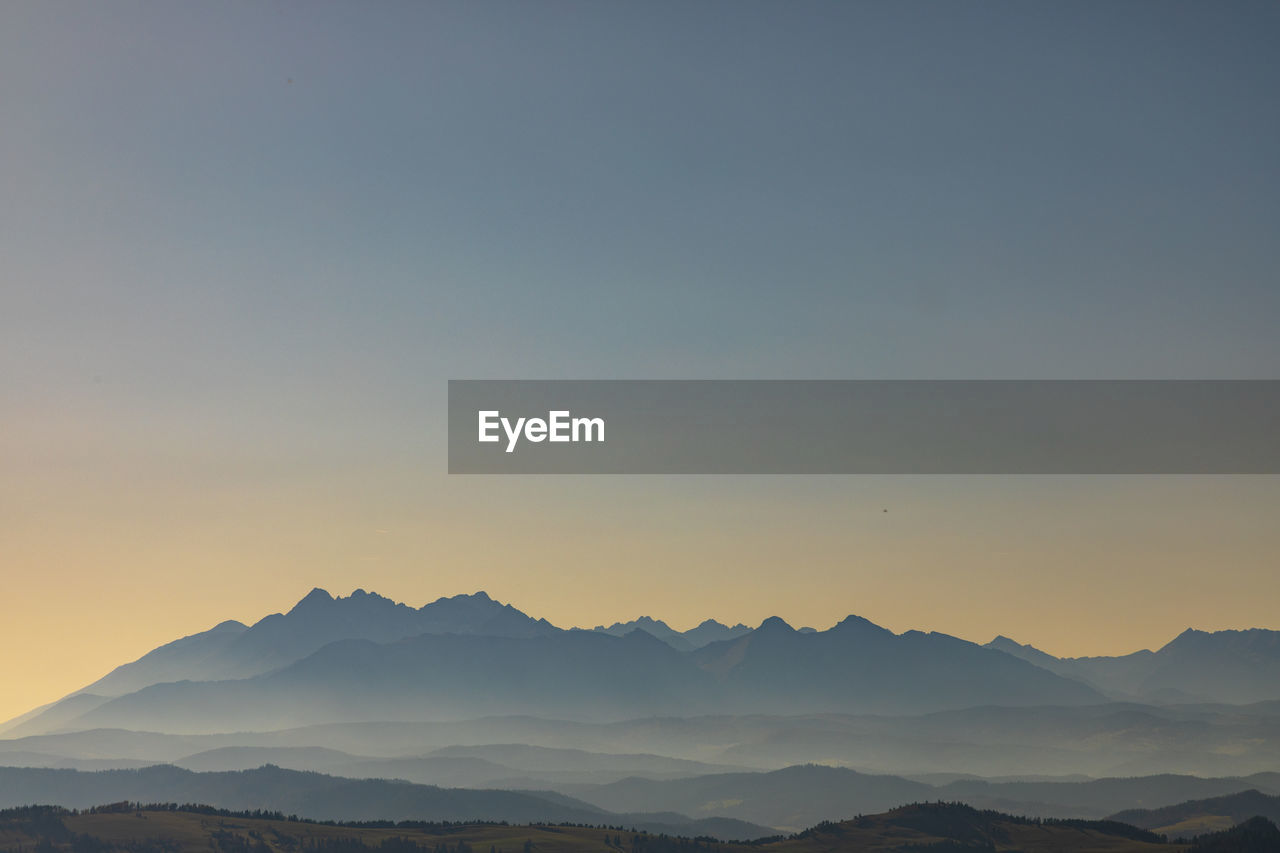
(243, 245)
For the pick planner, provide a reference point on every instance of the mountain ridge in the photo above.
(855, 666)
(1237, 666)
(311, 795)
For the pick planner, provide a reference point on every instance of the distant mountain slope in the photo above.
(786, 799)
(1226, 666)
(789, 799)
(224, 759)
(1098, 797)
(9, 725)
(232, 650)
(803, 795)
(55, 715)
(1027, 652)
(321, 797)
(1116, 739)
(292, 792)
(709, 631)
(487, 766)
(1196, 816)
(560, 762)
(859, 666)
(656, 627)
(195, 656)
(1222, 666)
(19, 758)
(567, 674)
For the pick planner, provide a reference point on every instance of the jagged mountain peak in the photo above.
(757, 669)
(317, 597)
(775, 623)
(233, 650)
(320, 600)
(853, 624)
(1258, 643)
(638, 622)
(480, 597)
(362, 595)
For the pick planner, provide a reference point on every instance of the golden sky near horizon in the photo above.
(100, 573)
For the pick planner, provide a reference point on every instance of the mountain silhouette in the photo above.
(855, 666)
(364, 657)
(709, 631)
(790, 799)
(1196, 666)
(234, 650)
(1227, 810)
(859, 666)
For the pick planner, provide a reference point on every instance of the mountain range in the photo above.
(1196, 666)
(772, 727)
(365, 657)
(709, 631)
(233, 650)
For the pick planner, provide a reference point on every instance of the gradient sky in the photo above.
(243, 245)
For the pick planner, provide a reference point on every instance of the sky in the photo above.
(244, 245)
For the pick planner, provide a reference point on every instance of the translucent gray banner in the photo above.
(864, 427)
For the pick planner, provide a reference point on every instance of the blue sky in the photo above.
(436, 190)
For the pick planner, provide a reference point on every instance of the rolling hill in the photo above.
(321, 797)
(1195, 817)
(909, 829)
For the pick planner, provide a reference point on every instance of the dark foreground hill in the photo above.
(1255, 835)
(937, 827)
